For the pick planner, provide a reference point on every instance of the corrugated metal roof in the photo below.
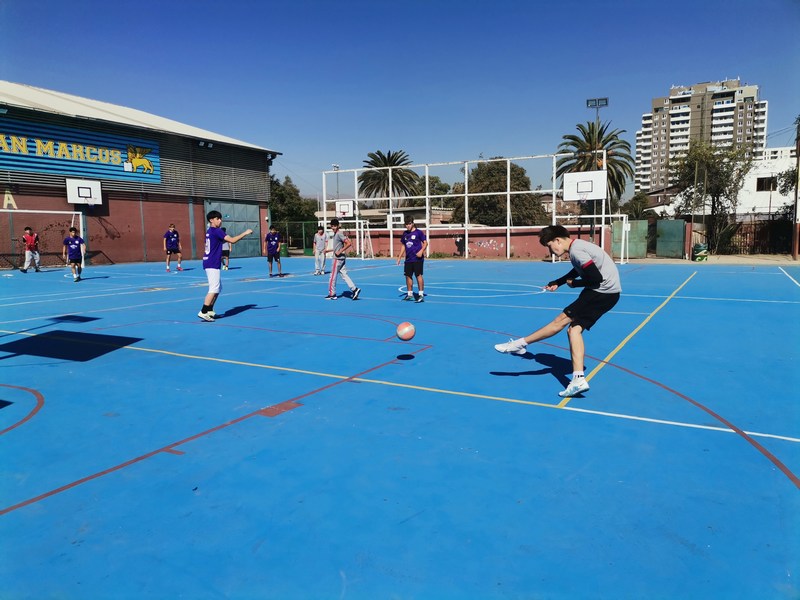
(33, 98)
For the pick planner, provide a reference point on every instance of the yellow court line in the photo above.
(608, 358)
(342, 377)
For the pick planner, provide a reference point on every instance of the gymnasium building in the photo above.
(120, 176)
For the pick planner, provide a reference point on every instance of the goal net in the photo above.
(52, 227)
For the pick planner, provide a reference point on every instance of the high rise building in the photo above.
(721, 113)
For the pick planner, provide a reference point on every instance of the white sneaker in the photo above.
(212, 313)
(205, 317)
(512, 347)
(576, 386)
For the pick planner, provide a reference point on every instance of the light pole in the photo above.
(597, 104)
(336, 168)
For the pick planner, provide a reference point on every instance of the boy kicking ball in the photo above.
(595, 272)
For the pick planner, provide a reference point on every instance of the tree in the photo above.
(587, 155)
(637, 207)
(706, 171)
(436, 189)
(375, 183)
(526, 209)
(286, 204)
(787, 181)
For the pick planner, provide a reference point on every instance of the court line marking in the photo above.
(619, 347)
(789, 276)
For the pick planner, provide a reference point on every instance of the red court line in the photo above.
(277, 409)
(34, 410)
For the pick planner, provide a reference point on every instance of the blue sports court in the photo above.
(295, 448)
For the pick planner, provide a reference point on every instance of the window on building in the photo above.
(766, 184)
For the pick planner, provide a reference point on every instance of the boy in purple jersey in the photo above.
(74, 250)
(212, 261)
(413, 244)
(595, 272)
(172, 245)
(272, 248)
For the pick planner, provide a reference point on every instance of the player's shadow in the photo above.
(97, 277)
(236, 310)
(558, 367)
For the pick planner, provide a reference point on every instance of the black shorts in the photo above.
(589, 307)
(226, 253)
(414, 268)
(173, 251)
(275, 257)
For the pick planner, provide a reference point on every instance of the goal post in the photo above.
(51, 225)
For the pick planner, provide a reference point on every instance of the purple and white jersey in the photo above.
(272, 239)
(73, 245)
(413, 241)
(212, 255)
(173, 239)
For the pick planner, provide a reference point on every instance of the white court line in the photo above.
(679, 424)
(789, 276)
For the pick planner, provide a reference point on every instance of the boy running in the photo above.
(595, 272)
(341, 244)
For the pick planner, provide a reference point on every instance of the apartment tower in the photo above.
(721, 113)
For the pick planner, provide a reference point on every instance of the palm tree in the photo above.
(375, 183)
(588, 156)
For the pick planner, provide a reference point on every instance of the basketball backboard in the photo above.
(586, 185)
(84, 191)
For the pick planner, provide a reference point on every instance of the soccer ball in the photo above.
(405, 331)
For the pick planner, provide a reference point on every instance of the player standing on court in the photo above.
(73, 253)
(320, 243)
(172, 245)
(272, 248)
(212, 261)
(413, 243)
(341, 244)
(30, 241)
(595, 272)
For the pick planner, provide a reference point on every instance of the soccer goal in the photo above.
(51, 225)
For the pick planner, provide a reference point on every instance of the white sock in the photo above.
(577, 374)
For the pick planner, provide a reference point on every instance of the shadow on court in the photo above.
(557, 366)
(67, 345)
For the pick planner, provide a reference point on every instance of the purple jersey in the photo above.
(212, 255)
(272, 239)
(173, 239)
(413, 240)
(73, 245)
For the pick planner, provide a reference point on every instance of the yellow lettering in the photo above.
(19, 145)
(103, 155)
(3, 146)
(63, 150)
(45, 148)
(8, 201)
(116, 157)
(77, 152)
(89, 155)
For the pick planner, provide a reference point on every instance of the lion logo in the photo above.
(136, 156)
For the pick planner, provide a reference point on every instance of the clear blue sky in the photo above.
(327, 82)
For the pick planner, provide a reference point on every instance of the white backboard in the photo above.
(587, 185)
(84, 191)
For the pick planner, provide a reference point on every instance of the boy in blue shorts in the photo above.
(413, 243)
(595, 272)
(212, 261)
